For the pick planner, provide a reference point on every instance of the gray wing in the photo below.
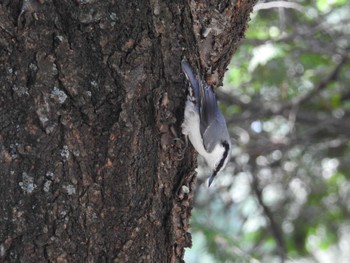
(213, 125)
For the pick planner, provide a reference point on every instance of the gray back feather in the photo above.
(213, 124)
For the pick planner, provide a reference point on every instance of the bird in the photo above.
(204, 124)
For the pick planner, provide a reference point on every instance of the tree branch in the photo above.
(257, 107)
(278, 4)
(273, 225)
(321, 86)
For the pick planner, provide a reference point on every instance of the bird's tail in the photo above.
(194, 87)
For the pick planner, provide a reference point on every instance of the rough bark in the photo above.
(91, 100)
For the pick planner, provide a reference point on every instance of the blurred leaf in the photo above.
(312, 60)
(336, 100)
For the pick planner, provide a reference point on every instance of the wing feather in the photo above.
(210, 115)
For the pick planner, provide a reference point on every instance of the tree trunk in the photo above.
(91, 104)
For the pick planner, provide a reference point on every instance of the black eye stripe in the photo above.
(221, 163)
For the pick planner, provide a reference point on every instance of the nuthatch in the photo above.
(204, 123)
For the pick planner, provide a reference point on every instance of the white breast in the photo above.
(190, 128)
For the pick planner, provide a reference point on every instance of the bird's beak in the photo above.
(211, 178)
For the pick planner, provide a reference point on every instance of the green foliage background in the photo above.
(285, 196)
